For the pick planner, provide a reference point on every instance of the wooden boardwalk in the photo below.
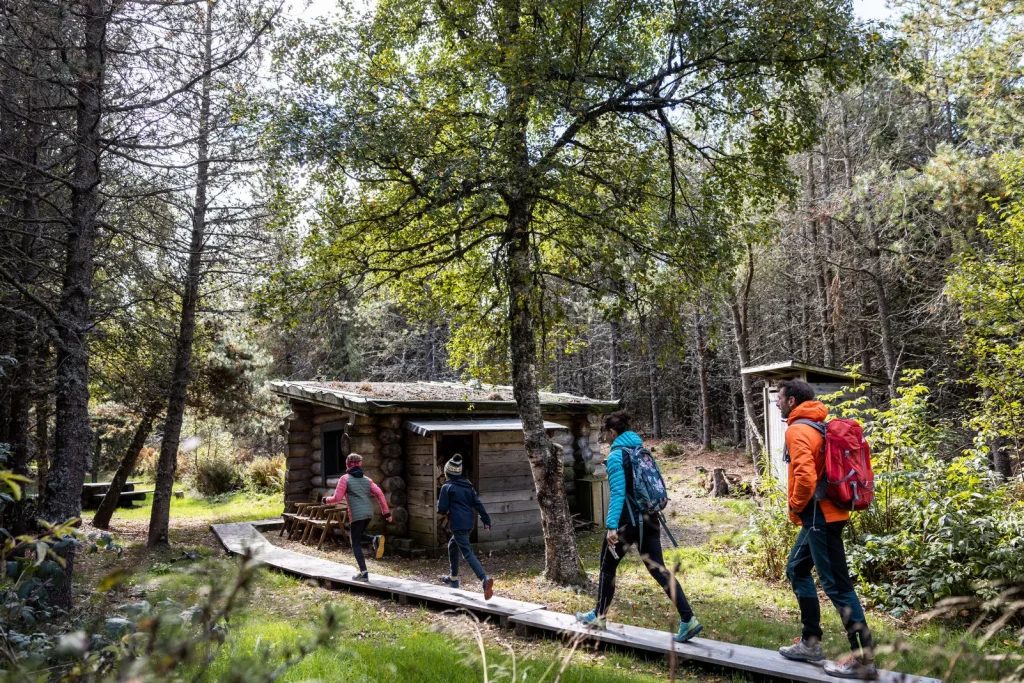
(528, 618)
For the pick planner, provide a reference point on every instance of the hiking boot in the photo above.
(378, 546)
(852, 666)
(361, 576)
(802, 651)
(687, 630)
(591, 619)
(450, 581)
(488, 588)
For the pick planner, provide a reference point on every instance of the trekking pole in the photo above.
(664, 525)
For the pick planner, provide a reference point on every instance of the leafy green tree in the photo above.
(466, 152)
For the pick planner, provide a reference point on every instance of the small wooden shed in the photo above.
(822, 379)
(406, 431)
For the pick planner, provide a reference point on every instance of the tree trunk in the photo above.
(159, 521)
(42, 445)
(561, 560)
(101, 520)
(719, 484)
(613, 359)
(702, 373)
(738, 306)
(884, 314)
(72, 435)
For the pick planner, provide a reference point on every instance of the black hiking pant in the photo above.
(651, 554)
(358, 536)
(820, 546)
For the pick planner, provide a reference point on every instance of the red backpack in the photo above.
(849, 479)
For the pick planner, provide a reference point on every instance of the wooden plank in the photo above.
(501, 496)
(416, 481)
(419, 449)
(416, 469)
(501, 437)
(504, 469)
(504, 446)
(422, 525)
(521, 530)
(524, 481)
(420, 510)
(499, 508)
(513, 518)
(740, 657)
(530, 616)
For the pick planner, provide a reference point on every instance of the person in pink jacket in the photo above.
(356, 488)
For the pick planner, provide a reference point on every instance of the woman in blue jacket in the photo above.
(624, 530)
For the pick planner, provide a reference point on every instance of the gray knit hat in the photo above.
(454, 466)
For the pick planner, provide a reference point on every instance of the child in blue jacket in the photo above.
(458, 500)
(623, 527)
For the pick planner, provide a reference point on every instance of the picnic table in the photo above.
(93, 493)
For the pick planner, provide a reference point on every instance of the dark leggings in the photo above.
(650, 552)
(358, 536)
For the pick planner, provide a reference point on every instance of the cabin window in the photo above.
(334, 442)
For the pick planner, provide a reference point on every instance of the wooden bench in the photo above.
(329, 518)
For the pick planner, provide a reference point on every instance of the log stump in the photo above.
(719, 483)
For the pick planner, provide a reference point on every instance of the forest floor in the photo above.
(712, 566)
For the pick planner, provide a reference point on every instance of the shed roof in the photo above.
(790, 368)
(428, 397)
(428, 427)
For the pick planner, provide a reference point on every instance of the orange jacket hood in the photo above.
(807, 462)
(808, 410)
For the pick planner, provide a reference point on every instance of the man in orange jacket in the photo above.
(820, 543)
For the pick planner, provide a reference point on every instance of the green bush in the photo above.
(266, 474)
(941, 526)
(670, 449)
(771, 534)
(214, 476)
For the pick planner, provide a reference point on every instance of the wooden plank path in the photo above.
(529, 618)
(236, 538)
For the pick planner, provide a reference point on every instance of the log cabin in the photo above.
(406, 431)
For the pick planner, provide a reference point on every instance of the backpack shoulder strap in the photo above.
(820, 426)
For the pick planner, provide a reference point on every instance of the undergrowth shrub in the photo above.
(670, 449)
(771, 535)
(145, 464)
(216, 475)
(941, 525)
(266, 474)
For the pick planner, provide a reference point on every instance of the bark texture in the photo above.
(72, 435)
(159, 521)
(101, 520)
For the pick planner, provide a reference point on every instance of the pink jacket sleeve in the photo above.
(339, 492)
(379, 495)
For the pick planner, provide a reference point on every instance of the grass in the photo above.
(232, 507)
(387, 642)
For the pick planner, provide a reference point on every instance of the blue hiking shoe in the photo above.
(361, 576)
(687, 630)
(591, 619)
(450, 581)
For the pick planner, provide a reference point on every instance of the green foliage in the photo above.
(988, 286)
(266, 474)
(216, 475)
(771, 535)
(168, 642)
(670, 449)
(620, 137)
(942, 525)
